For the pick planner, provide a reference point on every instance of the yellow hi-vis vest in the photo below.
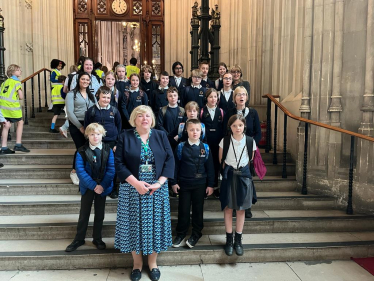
(99, 73)
(58, 73)
(56, 95)
(9, 101)
(130, 69)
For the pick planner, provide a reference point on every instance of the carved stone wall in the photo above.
(36, 32)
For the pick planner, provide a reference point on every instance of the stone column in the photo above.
(335, 138)
(365, 163)
(305, 99)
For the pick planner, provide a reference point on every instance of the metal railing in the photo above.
(31, 79)
(304, 190)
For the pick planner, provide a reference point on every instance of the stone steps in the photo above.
(70, 204)
(39, 136)
(268, 247)
(65, 186)
(51, 227)
(46, 144)
(35, 171)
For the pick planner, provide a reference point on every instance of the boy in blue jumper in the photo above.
(95, 170)
(194, 178)
(195, 92)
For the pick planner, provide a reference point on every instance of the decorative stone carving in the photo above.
(29, 47)
(28, 4)
(216, 16)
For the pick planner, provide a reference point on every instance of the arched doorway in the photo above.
(117, 30)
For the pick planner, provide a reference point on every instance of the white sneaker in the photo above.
(74, 178)
(63, 132)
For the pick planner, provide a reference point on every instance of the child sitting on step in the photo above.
(193, 179)
(237, 191)
(95, 169)
(10, 95)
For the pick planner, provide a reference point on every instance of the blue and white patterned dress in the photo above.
(143, 221)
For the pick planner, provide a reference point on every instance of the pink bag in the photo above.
(259, 164)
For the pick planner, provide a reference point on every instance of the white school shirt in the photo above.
(227, 94)
(212, 111)
(238, 146)
(177, 80)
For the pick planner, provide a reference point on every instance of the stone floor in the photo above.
(282, 271)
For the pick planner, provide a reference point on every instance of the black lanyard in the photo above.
(197, 163)
(236, 159)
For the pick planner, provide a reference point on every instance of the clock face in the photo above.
(119, 6)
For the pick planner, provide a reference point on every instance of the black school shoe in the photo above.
(54, 131)
(114, 195)
(155, 274)
(7, 151)
(1, 165)
(136, 275)
(178, 242)
(74, 245)
(21, 148)
(191, 242)
(100, 245)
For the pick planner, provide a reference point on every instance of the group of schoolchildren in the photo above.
(192, 112)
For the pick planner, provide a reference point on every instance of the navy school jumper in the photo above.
(193, 94)
(214, 134)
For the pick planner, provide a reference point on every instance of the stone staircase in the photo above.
(39, 209)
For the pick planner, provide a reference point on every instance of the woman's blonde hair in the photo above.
(238, 90)
(94, 127)
(141, 109)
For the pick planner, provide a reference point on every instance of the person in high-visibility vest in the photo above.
(58, 101)
(132, 68)
(57, 66)
(10, 95)
(98, 70)
(2, 121)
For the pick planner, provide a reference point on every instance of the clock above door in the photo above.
(119, 7)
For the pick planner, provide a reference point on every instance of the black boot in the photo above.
(238, 244)
(229, 244)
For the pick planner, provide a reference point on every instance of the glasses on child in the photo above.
(196, 77)
(227, 78)
(241, 95)
(178, 68)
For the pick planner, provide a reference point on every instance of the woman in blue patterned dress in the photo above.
(144, 160)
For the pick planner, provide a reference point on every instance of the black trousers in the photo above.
(191, 197)
(84, 215)
(111, 145)
(78, 138)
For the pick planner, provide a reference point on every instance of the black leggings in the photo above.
(78, 138)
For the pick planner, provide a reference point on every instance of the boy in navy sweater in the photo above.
(170, 116)
(147, 84)
(195, 92)
(109, 117)
(158, 97)
(193, 179)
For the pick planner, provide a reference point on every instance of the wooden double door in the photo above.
(128, 28)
